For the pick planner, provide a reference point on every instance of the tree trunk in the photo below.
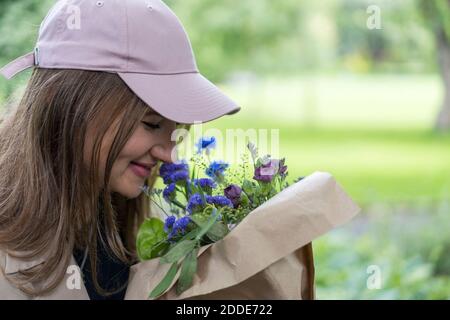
(443, 119)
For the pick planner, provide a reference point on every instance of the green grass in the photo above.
(363, 101)
(373, 133)
(372, 165)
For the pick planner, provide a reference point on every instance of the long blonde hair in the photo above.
(49, 201)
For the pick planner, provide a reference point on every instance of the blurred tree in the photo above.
(265, 37)
(401, 45)
(437, 16)
(19, 25)
(255, 35)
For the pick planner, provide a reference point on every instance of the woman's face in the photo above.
(150, 142)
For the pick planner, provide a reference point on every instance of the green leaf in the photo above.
(258, 163)
(244, 200)
(248, 187)
(202, 194)
(150, 239)
(193, 173)
(188, 270)
(165, 282)
(273, 192)
(178, 204)
(179, 251)
(217, 232)
(199, 219)
(207, 226)
(191, 234)
(160, 248)
(265, 188)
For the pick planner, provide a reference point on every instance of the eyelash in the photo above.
(152, 126)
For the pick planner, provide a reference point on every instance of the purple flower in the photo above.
(169, 223)
(168, 168)
(282, 168)
(266, 172)
(182, 223)
(179, 227)
(195, 202)
(173, 172)
(219, 201)
(177, 176)
(233, 192)
(169, 192)
(204, 183)
(206, 143)
(262, 177)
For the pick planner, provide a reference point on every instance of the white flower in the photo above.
(231, 226)
(253, 150)
(266, 159)
(144, 188)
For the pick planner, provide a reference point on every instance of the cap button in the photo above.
(99, 3)
(149, 7)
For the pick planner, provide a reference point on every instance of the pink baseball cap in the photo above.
(142, 41)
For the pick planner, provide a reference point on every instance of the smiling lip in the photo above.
(142, 171)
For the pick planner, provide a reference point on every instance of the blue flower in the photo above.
(206, 143)
(169, 223)
(169, 192)
(177, 176)
(182, 223)
(204, 183)
(195, 201)
(216, 170)
(219, 201)
(168, 168)
(179, 227)
(174, 172)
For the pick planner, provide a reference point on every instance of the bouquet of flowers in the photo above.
(202, 205)
(234, 233)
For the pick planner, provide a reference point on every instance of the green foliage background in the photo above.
(356, 102)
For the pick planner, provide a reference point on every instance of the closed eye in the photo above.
(153, 126)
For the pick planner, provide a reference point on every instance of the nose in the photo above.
(164, 151)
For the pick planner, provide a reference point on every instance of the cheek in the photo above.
(104, 146)
(123, 179)
(136, 147)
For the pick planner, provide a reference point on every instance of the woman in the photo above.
(93, 124)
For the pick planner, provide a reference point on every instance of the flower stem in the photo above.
(184, 193)
(178, 204)
(164, 211)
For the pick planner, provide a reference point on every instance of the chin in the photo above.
(129, 191)
(131, 194)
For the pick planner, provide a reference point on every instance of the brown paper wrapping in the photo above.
(268, 255)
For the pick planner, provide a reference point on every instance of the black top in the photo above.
(111, 273)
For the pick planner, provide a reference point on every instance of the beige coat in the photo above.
(70, 288)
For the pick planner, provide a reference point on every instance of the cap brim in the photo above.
(185, 97)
